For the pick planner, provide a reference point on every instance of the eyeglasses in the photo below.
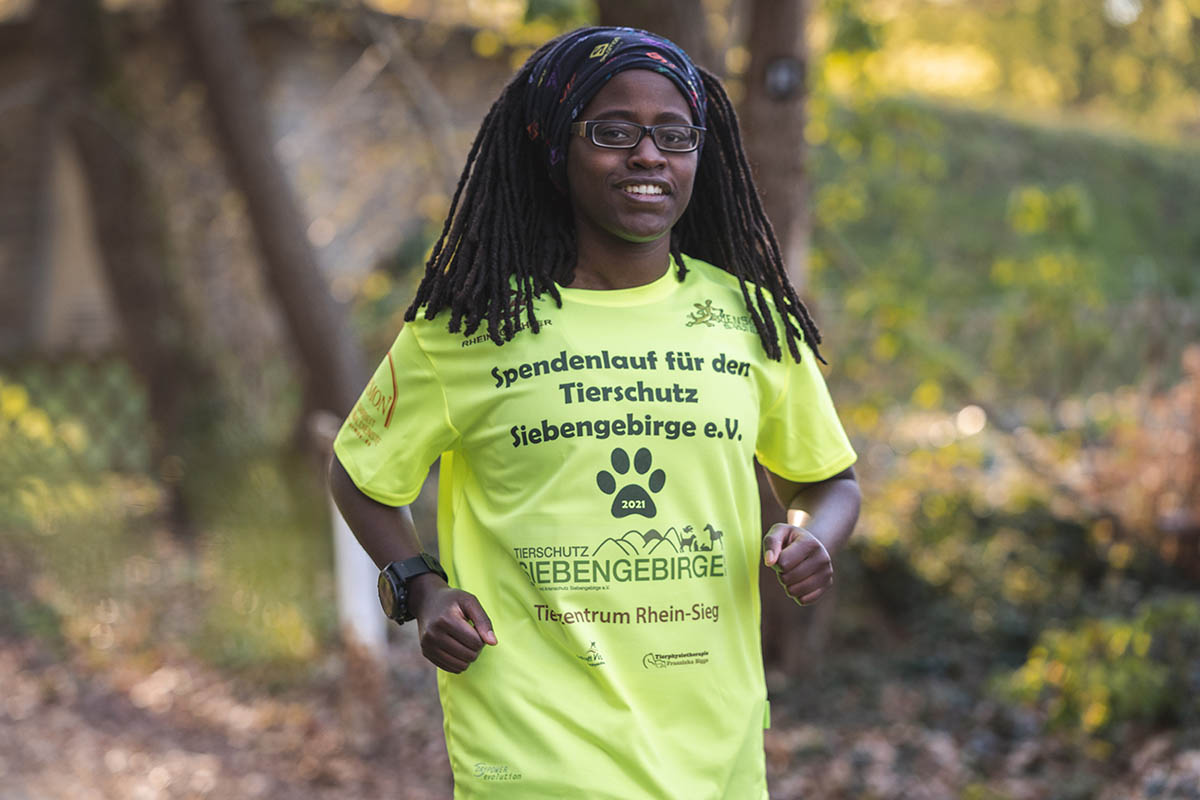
(670, 138)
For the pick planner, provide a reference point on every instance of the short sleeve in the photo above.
(399, 426)
(800, 437)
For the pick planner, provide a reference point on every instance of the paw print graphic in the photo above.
(633, 498)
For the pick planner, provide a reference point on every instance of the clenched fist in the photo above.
(801, 562)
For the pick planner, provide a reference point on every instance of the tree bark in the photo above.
(773, 118)
(681, 21)
(32, 123)
(334, 366)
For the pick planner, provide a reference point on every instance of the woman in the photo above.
(597, 391)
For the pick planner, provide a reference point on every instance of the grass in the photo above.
(1035, 259)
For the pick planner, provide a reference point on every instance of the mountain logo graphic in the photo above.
(651, 542)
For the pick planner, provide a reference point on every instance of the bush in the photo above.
(1106, 672)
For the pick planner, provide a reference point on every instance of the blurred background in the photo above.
(213, 214)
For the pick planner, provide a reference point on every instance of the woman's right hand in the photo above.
(452, 625)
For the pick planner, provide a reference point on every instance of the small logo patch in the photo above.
(665, 660)
(495, 772)
(592, 657)
(711, 316)
(602, 50)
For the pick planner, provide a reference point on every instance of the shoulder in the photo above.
(710, 275)
(438, 343)
(705, 276)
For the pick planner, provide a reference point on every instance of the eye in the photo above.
(613, 133)
(675, 137)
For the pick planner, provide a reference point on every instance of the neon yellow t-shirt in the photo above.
(597, 495)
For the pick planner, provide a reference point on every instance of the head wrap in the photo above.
(568, 75)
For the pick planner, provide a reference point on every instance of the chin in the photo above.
(641, 234)
(635, 238)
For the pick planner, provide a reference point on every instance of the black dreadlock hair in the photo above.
(501, 229)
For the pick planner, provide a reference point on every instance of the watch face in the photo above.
(387, 595)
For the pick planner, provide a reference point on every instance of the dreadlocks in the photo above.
(509, 234)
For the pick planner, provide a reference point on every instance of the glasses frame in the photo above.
(586, 128)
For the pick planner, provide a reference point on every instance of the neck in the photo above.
(616, 264)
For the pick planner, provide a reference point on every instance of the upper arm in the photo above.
(786, 491)
(399, 426)
(800, 437)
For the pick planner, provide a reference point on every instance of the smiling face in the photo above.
(634, 195)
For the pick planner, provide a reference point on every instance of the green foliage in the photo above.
(57, 418)
(1002, 261)
(268, 593)
(852, 32)
(83, 562)
(957, 543)
(1133, 59)
(22, 615)
(568, 13)
(1103, 672)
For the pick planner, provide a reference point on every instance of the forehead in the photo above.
(638, 90)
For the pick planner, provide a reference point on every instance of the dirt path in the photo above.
(177, 730)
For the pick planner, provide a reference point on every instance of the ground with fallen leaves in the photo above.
(179, 729)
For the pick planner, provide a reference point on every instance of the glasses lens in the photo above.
(678, 139)
(616, 134)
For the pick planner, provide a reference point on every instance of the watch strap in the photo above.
(410, 568)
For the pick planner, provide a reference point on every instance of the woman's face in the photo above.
(635, 195)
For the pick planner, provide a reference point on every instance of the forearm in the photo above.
(828, 509)
(387, 533)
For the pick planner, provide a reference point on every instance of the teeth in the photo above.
(644, 189)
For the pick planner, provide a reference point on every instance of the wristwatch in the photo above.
(394, 580)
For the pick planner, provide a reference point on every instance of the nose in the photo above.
(645, 154)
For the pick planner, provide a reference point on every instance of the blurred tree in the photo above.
(95, 110)
(773, 118)
(334, 366)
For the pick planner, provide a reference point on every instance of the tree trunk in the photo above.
(681, 21)
(32, 123)
(773, 119)
(131, 234)
(334, 366)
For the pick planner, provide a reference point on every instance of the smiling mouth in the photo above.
(644, 189)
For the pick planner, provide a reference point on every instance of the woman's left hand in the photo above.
(800, 560)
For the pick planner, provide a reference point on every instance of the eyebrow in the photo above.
(626, 114)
